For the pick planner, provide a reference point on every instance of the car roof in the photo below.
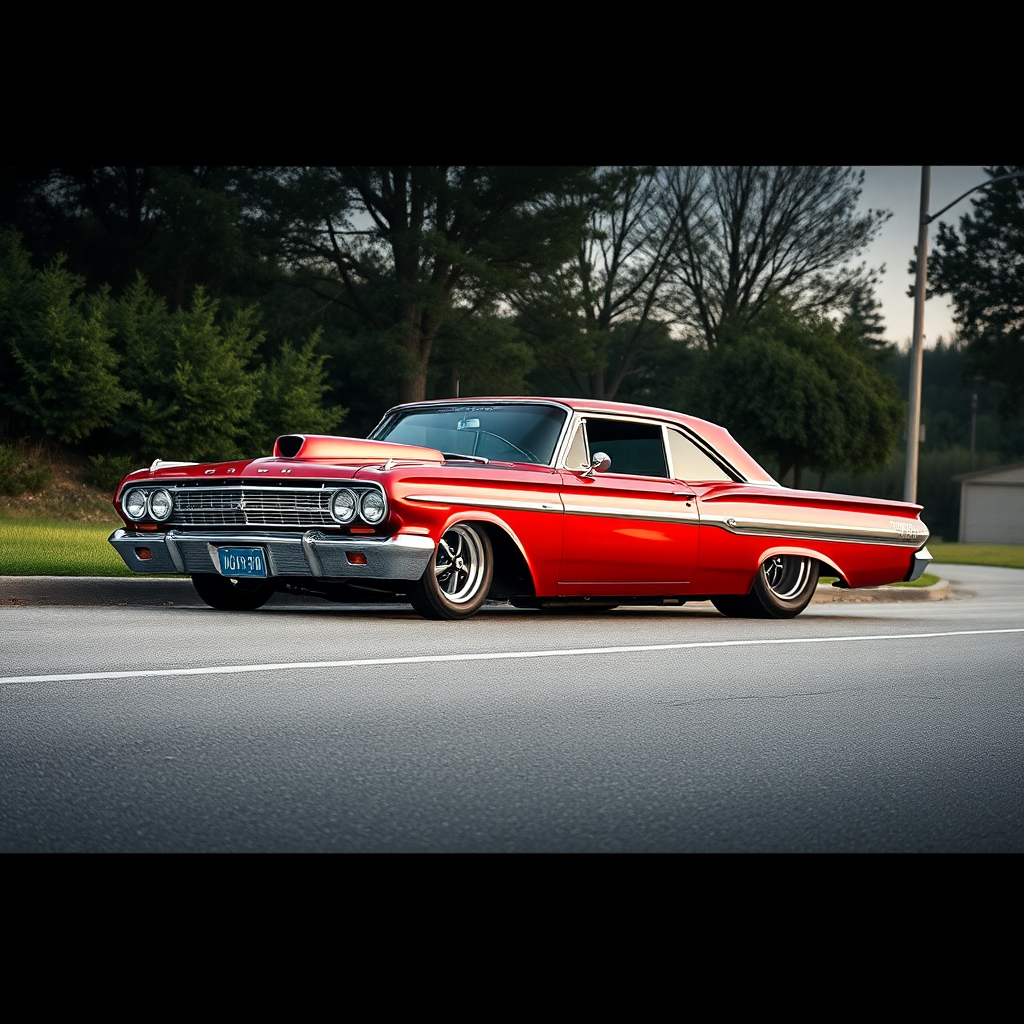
(717, 436)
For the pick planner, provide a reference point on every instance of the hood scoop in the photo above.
(323, 448)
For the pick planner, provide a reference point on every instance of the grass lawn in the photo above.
(1008, 556)
(927, 579)
(50, 547)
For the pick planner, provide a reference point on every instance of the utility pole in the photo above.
(917, 345)
(916, 349)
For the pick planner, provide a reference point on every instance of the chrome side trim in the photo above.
(520, 506)
(897, 537)
(607, 512)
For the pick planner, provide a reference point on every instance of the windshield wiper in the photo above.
(465, 458)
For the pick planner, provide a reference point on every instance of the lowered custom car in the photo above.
(540, 502)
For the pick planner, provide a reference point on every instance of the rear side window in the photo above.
(689, 462)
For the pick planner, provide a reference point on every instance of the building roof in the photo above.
(1013, 473)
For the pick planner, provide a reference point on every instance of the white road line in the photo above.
(495, 656)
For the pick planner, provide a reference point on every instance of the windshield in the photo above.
(507, 433)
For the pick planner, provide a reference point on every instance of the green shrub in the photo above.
(21, 470)
(107, 471)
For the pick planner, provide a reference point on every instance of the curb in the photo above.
(95, 590)
(134, 591)
(827, 594)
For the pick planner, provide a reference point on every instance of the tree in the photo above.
(981, 268)
(612, 286)
(59, 368)
(203, 385)
(178, 226)
(201, 396)
(750, 235)
(407, 248)
(798, 391)
(292, 391)
(864, 320)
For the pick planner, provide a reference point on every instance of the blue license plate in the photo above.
(242, 563)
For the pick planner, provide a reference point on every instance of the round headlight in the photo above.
(160, 504)
(343, 506)
(372, 506)
(134, 503)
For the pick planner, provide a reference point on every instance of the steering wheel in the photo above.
(522, 451)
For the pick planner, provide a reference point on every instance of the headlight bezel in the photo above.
(371, 495)
(345, 520)
(141, 502)
(156, 494)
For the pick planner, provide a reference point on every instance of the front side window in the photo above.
(505, 433)
(636, 449)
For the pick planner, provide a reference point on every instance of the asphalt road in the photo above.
(874, 727)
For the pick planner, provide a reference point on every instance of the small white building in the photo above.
(992, 505)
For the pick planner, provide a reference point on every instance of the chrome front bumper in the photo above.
(921, 560)
(402, 557)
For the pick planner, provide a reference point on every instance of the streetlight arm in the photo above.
(984, 184)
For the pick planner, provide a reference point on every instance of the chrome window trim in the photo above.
(732, 476)
(581, 416)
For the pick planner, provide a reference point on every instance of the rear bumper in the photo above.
(921, 560)
(313, 554)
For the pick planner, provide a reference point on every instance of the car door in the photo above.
(633, 528)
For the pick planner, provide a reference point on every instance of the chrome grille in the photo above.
(252, 506)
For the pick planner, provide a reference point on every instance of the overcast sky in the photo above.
(899, 189)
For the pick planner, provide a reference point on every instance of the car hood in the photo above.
(323, 448)
(298, 456)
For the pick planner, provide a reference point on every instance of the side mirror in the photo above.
(598, 464)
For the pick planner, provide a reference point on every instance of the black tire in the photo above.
(455, 583)
(782, 589)
(231, 595)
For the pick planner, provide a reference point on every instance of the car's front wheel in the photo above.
(232, 595)
(782, 589)
(455, 584)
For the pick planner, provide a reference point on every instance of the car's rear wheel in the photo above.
(456, 583)
(782, 589)
(232, 595)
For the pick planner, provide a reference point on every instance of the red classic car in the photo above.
(537, 501)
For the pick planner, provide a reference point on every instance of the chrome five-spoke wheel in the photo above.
(455, 584)
(787, 577)
(782, 589)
